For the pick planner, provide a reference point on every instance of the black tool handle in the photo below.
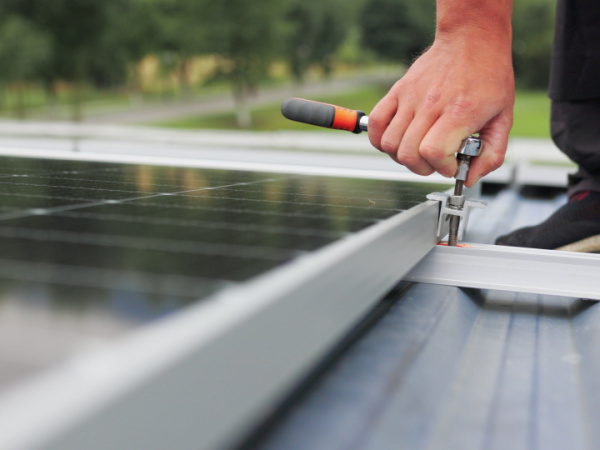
(322, 114)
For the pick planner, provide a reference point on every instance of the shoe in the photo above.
(575, 227)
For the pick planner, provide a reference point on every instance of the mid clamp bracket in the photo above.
(454, 205)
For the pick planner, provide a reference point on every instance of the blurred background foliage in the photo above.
(64, 53)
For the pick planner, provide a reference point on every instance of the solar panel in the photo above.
(92, 250)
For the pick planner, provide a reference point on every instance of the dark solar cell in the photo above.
(90, 250)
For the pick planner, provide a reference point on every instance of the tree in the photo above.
(398, 30)
(247, 35)
(91, 41)
(316, 30)
(331, 33)
(127, 37)
(303, 19)
(533, 30)
(23, 51)
(180, 35)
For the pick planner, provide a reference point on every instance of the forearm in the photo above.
(489, 20)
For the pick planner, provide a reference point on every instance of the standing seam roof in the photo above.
(462, 368)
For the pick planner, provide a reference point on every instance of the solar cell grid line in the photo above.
(18, 171)
(211, 188)
(40, 211)
(69, 199)
(349, 193)
(82, 188)
(366, 204)
(219, 225)
(248, 209)
(43, 196)
(342, 197)
(121, 191)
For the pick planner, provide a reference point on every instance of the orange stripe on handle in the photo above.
(322, 114)
(345, 119)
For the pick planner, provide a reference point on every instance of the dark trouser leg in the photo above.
(575, 94)
(575, 127)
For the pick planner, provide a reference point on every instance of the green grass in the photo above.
(37, 104)
(532, 114)
(36, 101)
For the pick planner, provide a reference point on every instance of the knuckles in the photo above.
(409, 160)
(463, 111)
(423, 171)
(431, 100)
(388, 146)
(432, 153)
(377, 129)
(494, 161)
(376, 121)
(462, 107)
(435, 155)
(414, 163)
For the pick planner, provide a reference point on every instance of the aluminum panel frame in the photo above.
(512, 269)
(203, 378)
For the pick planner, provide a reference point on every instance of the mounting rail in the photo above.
(512, 269)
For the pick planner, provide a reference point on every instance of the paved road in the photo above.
(157, 112)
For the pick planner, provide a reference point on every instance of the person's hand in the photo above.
(460, 86)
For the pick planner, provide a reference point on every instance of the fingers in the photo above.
(425, 139)
(400, 141)
(380, 119)
(494, 142)
(441, 142)
(409, 140)
(409, 151)
(394, 130)
(392, 136)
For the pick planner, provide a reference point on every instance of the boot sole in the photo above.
(587, 245)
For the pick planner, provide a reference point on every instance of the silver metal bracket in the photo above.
(448, 208)
(512, 269)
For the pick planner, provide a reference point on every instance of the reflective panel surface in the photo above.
(92, 250)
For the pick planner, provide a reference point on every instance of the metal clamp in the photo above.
(455, 205)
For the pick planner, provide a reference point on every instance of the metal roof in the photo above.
(460, 368)
(452, 368)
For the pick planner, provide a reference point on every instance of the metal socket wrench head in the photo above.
(471, 146)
